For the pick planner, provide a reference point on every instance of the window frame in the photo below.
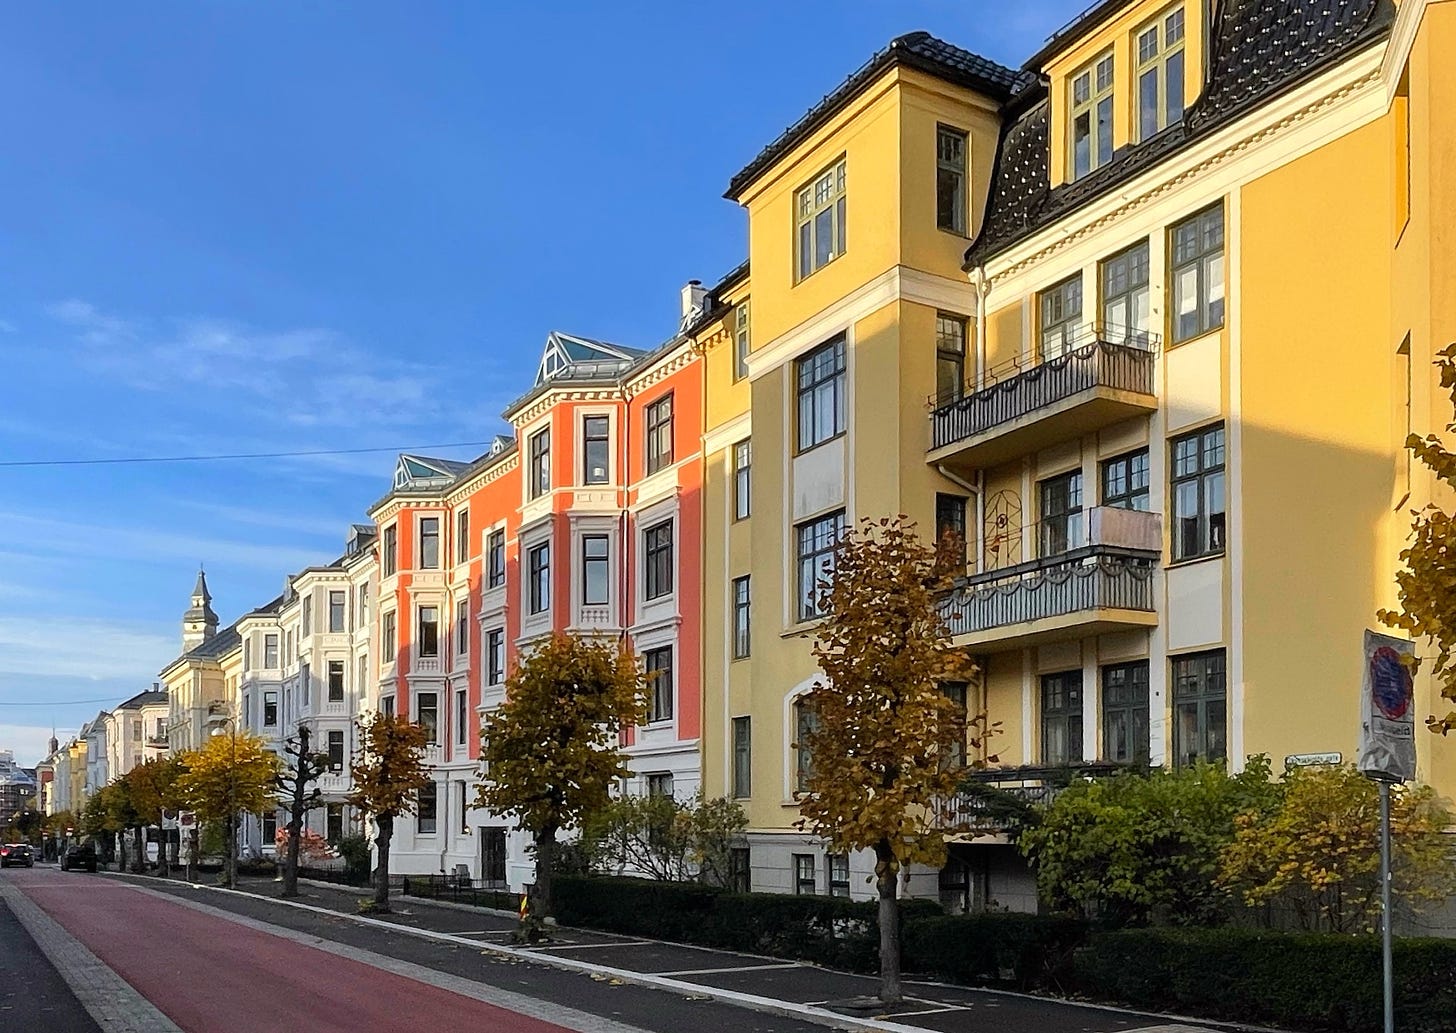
(817, 384)
(1202, 477)
(810, 202)
(1132, 492)
(1135, 295)
(1200, 262)
(742, 340)
(389, 634)
(950, 515)
(432, 793)
(495, 656)
(949, 390)
(1066, 327)
(429, 543)
(495, 544)
(657, 561)
(336, 765)
(335, 688)
(1066, 715)
(462, 536)
(660, 681)
(337, 607)
(659, 434)
(462, 716)
(462, 628)
(741, 601)
(1058, 539)
(602, 564)
(270, 708)
(1097, 106)
(742, 479)
(389, 550)
(1201, 702)
(1158, 63)
(742, 747)
(601, 440)
(538, 578)
(836, 874)
(427, 644)
(432, 727)
(806, 883)
(1131, 713)
(538, 469)
(270, 651)
(805, 722)
(817, 562)
(953, 166)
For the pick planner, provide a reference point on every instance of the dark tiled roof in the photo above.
(144, 699)
(919, 50)
(714, 306)
(269, 608)
(1260, 48)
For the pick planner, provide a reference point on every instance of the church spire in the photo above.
(199, 623)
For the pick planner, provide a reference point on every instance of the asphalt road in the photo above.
(33, 996)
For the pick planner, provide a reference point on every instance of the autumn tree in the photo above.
(1426, 587)
(1317, 854)
(886, 742)
(229, 775)
(665, 838)
(27, 823)
(109, 812)
(389, 775)
(154, 793)
(552, 751)
(302, 770)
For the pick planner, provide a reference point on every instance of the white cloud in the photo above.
(30, 742)
(282, 519)
(79, 647)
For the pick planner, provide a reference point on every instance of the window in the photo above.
(740, 341)
(270, 652)
(594, 569)
(427, 716)
(495, 656)
(362, 617)
(816, 541)
(247, 654)
(429, 631)
(1198, 502)
(386, 706)
(658, 665)
(742, 616)
(805, 722)
(950, 528)
(334, 822)
(1092, 117)
(1125, 481)
(596, 449)
(389, 636)
(363, 675)
(1197, 248)
(740, 869)
(539, 564)
(742, 758)
(429, 543)
(462, 536)
(336, 751)
(136, 726)
(1061, 312)
(742, 479)
(659, 434)
(956, 692)
(657, 559)
(462, 796)
(495, 547)
(336, 681)
(1125, 713)
(950, 358)
(305, 685)
(1061, 718)
(836, 867)
(427, 809)
(1124, 282)
(391, 550)
(659, 783)
(270, 709)
(804, 875)
(819, 214)
(462, 718)
(540, 473)
(462, 628)
(950, 179)
(270, 827)
(1199, 720)
(1160, 74)
(1061, 514)
(307, 615)
(820, 385)
(336, 611)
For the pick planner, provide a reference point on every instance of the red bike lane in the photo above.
(210, 975)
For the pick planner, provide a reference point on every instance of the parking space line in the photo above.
(715, 971)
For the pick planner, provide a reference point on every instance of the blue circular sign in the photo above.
(1390, 683)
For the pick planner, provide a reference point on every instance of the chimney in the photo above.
(694, 300)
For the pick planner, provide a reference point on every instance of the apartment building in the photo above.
(1056, 310)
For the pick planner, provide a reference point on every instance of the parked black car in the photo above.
(82, 855)
(16, 853)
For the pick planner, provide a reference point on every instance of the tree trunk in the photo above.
(385, 822)
(889, 915)
(164, 847)
(121, 852)
(141, 849)
(540, 895)
(295, 816)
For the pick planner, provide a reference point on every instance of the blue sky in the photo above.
(262, 227)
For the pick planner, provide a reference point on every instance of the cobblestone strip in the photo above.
(111, 1000)
(531, 1007)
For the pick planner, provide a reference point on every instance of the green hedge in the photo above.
(1029, 952)
(825, 930)
(1319, 981)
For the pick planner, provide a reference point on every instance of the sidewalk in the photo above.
(790, 989)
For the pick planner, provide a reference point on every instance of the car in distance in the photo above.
(82, 855)
(12, 854)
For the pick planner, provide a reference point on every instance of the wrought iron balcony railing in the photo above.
(1000, 799)
(1094, 357)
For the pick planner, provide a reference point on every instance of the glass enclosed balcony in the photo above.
(1097, 377)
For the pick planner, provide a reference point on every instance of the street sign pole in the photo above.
(1386, 961)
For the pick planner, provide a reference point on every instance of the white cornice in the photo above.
(1409, 17)
(726, 434)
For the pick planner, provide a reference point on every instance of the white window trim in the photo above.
(579, 417)
(583, 526)
(649, 610)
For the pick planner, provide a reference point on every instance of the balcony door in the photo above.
(1061, 514)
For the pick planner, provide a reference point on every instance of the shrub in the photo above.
(1308, 981)
(354, 852)
(1026, 951)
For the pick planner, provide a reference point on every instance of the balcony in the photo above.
(1021, 408)
(1095, 576)
(999, 800)
(156, 742)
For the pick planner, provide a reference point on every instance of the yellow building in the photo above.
(1148, 321)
